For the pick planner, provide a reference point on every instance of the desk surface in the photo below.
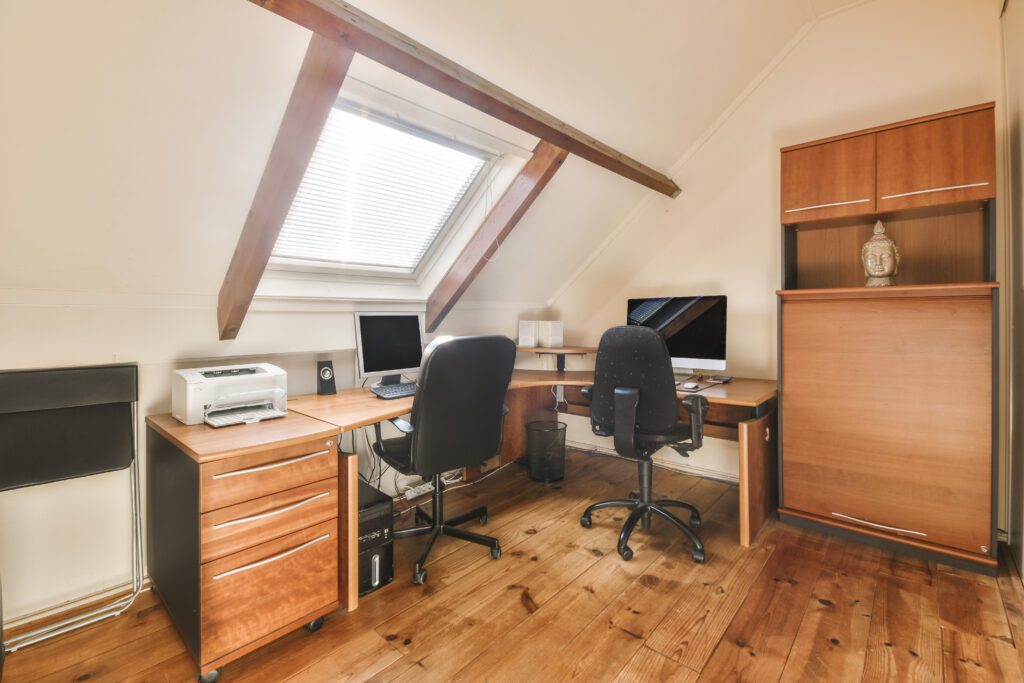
(358, 407)
(205, 444)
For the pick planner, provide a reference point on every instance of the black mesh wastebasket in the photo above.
(545, 450)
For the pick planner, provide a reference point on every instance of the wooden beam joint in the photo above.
(496, 226)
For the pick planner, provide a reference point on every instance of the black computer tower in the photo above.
(376, 559)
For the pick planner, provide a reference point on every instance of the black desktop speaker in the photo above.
(325, 378)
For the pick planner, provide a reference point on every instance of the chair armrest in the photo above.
(403, 425)
(626, 401)
(587, 392)
(697, 407)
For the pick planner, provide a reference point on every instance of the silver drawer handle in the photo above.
(934, 189)
(273, 558)
(879, 526)
(271, 466)
(272, 513)
(825, 206)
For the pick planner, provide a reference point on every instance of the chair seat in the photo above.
(396, 452)
(679, 432)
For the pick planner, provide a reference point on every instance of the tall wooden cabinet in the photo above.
(887, 411)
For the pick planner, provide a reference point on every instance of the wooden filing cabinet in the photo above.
(243, 533)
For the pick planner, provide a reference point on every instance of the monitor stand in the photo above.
(390, 379)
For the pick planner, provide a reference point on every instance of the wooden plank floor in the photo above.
(560, 604)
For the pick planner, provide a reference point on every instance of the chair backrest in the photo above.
(458, 413)
(634, 356)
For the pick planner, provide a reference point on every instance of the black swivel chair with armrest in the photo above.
(633, 398)
(457, 421)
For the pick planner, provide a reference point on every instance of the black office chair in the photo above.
(457, 421)
(633, 398)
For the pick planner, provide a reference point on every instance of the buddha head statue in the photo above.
(881, 258)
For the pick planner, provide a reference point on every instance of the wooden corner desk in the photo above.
(742, 411)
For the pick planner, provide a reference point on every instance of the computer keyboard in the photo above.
(247, 415)
(389, 391)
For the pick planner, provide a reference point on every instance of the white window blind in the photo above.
(374, 195)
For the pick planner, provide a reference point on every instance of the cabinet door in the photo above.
(937, 162)
(887, 416)
(830, 180)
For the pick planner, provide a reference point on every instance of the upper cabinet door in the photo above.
(829, 180)
(944, 161)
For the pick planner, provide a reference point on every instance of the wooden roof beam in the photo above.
(373, 39)
(504, 216)
(316, 90)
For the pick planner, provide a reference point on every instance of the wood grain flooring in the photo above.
(561, 605)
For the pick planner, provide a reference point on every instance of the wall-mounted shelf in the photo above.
(895, 292)
(559, 352)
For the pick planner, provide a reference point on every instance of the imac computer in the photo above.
(387, 346)
(693, 327)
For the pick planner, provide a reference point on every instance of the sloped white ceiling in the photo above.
(133, 143)
(648, 78)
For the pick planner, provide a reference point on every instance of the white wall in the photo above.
(874, 63)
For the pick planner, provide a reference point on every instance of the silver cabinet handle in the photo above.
(825, 206)
(271, 466)
(375, 571)
(272, 513)
(879, 526)
(934, 189)
(273, 558)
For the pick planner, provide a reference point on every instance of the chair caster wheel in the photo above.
(483, 519)
(698, 556)
(496, 553)
(626, 553)
(315, 625)
(585, 522)
(634, 495)
(695, 521)
(419, 576)
(210, 677)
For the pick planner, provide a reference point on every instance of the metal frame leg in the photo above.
(614, 503)
(480, 539)
(118, 605)
(668, 503)
(476, 513)
(434, 533)
(627, 530)
(682, 526)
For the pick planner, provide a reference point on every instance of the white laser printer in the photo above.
(229, 394)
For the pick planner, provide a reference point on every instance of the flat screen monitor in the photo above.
(388, 345)
(693, 327)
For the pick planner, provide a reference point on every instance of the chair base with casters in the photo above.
(435, 525)
(643, 507)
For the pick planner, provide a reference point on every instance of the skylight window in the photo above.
(375, 195)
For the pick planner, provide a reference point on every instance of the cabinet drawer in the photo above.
(945, 161)
(236, 480)
(237, 527)
(250, 594)
(829, 180)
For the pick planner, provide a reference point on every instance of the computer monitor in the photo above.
(693, 327)
(388, 344)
